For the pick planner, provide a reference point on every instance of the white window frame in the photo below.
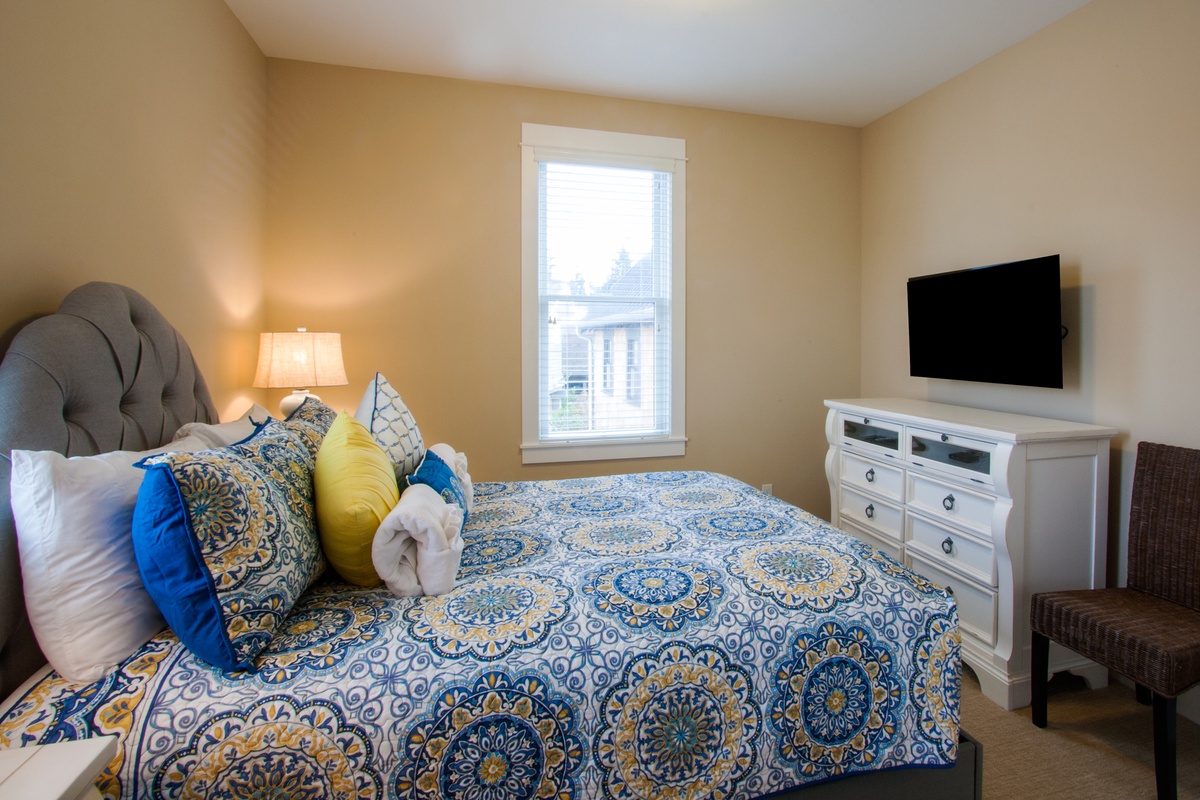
(607, 363)
(633, 367)
(554, 143)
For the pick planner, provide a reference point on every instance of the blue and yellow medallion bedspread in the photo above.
(663, 635)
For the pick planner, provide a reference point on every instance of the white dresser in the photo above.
(993, 506)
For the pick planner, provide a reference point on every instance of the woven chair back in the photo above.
(1164, 523)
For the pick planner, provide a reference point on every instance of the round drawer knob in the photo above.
(947, 545)
(948, 502)
(870, 511)
(871, 476)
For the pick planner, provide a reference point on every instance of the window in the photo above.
(602, 277)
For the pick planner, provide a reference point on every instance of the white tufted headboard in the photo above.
(105, 372)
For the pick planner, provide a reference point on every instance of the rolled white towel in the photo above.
(417, 548)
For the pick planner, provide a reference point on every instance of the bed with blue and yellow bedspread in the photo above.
(659, 635)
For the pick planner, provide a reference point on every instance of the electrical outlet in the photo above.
(768, 488)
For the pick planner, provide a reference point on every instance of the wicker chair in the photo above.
(1148, 631)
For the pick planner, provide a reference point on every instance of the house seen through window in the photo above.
(603, 295)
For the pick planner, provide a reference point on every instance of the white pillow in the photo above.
(391, 423)
(458, 463)
(83, 592)
(224, 434)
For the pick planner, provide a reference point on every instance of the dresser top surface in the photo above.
(998, 424)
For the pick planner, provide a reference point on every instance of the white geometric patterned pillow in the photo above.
(391, 423)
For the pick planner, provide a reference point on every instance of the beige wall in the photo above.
(1082, 140)
(132, 150)
(393, 216)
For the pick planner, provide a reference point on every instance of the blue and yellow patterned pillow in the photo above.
(226, 541)
(311, 421)
(435, 473)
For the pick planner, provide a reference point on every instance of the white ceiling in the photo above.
(840, 61)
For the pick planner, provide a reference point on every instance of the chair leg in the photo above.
(1143, 694)
(1038, 678)
(1164, 746)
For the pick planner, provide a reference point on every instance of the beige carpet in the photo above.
(1098, 745)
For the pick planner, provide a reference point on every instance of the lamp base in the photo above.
(291, 402)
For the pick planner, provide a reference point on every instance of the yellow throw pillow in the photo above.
(355, 487)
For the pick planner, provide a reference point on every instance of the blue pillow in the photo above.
(438, 475)
(226, 541)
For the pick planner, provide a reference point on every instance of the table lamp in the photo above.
(299, 358)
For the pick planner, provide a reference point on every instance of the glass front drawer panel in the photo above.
(859, 429)
(952, 452)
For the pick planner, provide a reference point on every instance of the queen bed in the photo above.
(664, 634)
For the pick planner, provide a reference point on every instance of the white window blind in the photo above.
(603, 368)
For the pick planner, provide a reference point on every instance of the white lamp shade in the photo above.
(299, 359)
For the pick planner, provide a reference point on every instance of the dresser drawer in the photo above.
(872, 476)
(955, 504)
(952, 548)
(976, 604)
(879, 436)
(883, 517)
(958, 455)
(889, 546)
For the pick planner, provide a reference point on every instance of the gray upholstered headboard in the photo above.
(106, 372)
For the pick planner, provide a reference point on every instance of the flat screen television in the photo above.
(996, 324)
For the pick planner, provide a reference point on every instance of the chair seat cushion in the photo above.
(1145, 638)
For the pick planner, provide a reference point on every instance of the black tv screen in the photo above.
(994, 324)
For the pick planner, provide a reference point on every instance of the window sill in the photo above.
(542, 453)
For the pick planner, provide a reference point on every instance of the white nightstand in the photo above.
(61, 771)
